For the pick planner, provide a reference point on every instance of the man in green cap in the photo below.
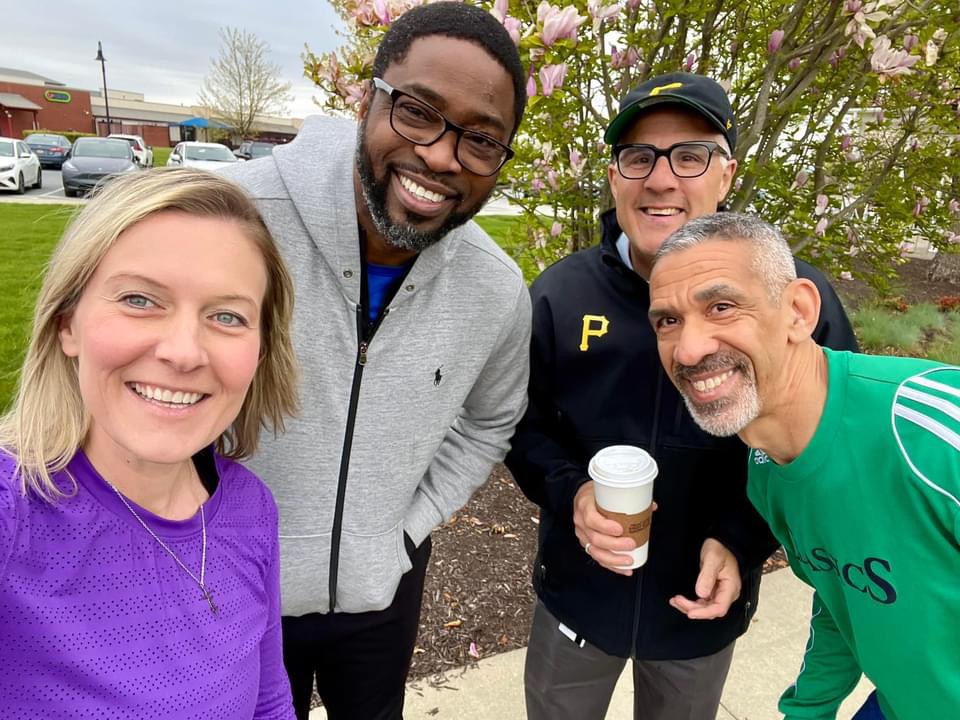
(596, 381)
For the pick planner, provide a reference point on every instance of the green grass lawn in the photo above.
(161, 155)
(29, 234)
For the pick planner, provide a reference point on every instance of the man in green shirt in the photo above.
(855, 466)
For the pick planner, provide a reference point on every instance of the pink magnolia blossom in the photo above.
(845, 143)
(537, 185)
(794, 64)
(352, 93)
(863, 14)
(800, 180)
(775, 41)
(552, 77)
(822, 202)
(920, 206)
(552, 180)
(364, 15)
(906, 247)
(500, 10)
(555, 229)
(576, 163)
(821, 228)
(558, 24)
(600, 12)
(382, 11)
(954, 206)
(634, 4)
(887, 62)
(932, 53)
(952, 237)
(914, 144)
(531, 84)
(627, 58)
(473, 652)
(513, 29)
(910, 42)
(546, 149)
(688, 63)
(853, 251)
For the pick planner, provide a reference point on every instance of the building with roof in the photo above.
(29, 101)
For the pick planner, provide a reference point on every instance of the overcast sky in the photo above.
(161, 49)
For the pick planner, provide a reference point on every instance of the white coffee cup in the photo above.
(623, 478)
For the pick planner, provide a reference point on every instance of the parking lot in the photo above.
(52, 190)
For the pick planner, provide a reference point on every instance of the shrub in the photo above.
(70, 135)
(882, 328)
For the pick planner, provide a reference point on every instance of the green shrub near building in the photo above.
(70, 135)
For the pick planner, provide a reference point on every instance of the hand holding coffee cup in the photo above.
(602, 539)
(623, 478)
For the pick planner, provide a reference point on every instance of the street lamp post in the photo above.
(103, 68)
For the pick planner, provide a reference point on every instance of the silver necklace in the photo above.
(207, 593)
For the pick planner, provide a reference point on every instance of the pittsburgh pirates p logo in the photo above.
(593, 326)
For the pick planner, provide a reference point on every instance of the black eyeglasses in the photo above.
(687, 159)
(423, 124)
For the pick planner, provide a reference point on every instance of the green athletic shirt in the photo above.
(869, 515)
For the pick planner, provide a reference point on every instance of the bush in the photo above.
(70, 135)
(882, 329)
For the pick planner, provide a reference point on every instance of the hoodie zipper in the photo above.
(654, 432)
(337, 529)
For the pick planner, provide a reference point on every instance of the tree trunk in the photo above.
(946, 267)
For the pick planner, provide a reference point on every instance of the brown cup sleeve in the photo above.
(635, 525)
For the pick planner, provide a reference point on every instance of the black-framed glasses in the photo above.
(687, 159)
(422, 124)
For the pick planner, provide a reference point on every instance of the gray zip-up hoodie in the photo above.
(431, 407)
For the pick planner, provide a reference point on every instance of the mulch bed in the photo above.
(478, 599)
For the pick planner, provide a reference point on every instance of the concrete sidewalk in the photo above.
(765, 662)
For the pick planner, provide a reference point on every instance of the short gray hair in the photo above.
(772, 259)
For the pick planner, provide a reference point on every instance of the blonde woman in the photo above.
(138, 561)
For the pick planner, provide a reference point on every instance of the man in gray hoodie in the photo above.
(412, 329)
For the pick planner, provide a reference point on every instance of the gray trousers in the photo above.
(563, 681)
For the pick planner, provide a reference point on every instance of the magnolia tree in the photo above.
(849, 112)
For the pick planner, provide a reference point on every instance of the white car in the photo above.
(19, 166)
(142, 153)
(203, 155)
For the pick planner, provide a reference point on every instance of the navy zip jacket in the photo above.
(596, 380)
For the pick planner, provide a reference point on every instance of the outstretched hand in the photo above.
(718, 584)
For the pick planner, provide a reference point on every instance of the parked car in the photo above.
(94, 160)
(251, 150)
(142, 153)
(206, 156)
(19, 166)
(51, 149)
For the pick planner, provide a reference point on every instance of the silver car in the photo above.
(94, 160)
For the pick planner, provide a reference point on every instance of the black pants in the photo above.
(360, 660)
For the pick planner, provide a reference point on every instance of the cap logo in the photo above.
(663, 88)
(729, 124)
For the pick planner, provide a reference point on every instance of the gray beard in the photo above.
(402, 236)
(728, 416)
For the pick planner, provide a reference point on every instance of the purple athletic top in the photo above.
(97, 620)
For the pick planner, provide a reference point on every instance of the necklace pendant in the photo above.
(208, 596)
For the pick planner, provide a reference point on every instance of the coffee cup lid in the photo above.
(622, 466)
